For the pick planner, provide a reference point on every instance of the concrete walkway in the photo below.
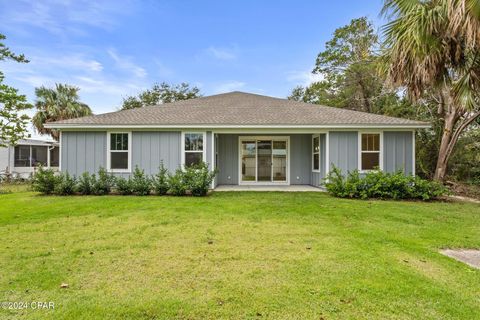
(292, 188)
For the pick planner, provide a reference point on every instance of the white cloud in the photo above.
(229, 86)
(304, 78)
(63, 16)
(126, 63)
(222, 53)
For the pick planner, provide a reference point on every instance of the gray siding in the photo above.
(343, 149)
(83, 151)
(150, 148)
(86, 151)
(397, 152)
(300, 158)
(228, 159)
(317, 177)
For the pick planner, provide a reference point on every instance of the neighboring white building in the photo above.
(21, 160)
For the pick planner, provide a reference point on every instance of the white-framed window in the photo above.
(370, 157)
(316, 153)
(193, 148)
(119, 145)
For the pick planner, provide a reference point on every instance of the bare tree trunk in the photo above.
(443, 154)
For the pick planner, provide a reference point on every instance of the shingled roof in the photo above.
(236, 109)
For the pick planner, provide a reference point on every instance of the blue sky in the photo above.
(111, 49)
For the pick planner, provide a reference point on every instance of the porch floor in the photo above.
(291, 188)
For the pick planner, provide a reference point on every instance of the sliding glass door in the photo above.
(264, 160)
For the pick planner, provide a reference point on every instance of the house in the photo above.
(251, 139)
(20, 161)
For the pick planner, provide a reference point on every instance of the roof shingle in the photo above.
(237, 109)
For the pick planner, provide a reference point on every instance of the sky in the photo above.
(112, 49)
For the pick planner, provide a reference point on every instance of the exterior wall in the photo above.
(86, 151)
(227, 159)
(398, 151)
(300, 158)
(83, 151)
(4, 159)
(343, 150)
(317, 177)
(150, 148)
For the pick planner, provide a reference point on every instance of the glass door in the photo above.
(249, 155)
(264, 160)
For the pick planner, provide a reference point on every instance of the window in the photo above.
(119, 153)
(316, 153)
(54, 157)
(30, 156)
(193, 148)
(22, 156)
(370, 151)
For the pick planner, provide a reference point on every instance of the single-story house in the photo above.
(250, 139)
(22, 159)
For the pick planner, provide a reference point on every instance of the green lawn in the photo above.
(237, 255)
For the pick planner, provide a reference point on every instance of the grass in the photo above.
(236, 255)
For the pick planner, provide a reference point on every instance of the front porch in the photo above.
(278, 188)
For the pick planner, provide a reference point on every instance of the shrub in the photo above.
(124, 186)
(65, 184)
(44, 181)
(102, 184)
(141, 184)
(198, 179)
(160, 180)
(176, 183)
(84, 185)
(377, 184)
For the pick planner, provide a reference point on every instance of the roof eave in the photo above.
(216, 126)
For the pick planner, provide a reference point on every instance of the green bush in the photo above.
(198, 179)
(160, 180)
(65, 184)
(124, 186)
(102, 184)
(378, 184)
(85, 183)
(141, 184)
(176, 183)
(44, 181)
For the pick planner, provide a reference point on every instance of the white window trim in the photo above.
(129, 151)
(380, 160)
(413, 152)
(204, 146)
(313, 153)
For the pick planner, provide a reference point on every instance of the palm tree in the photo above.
(432, 49)
(59, 103)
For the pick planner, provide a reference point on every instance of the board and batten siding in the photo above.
(86, 151)
(83, 151)
(343, 150)
(398, 151)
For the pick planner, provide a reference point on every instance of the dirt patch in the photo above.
(468, 256)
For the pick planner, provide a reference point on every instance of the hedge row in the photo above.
(378, 184)
(194, 179)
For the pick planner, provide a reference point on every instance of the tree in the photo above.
(161, 93)
(54, 104)
(13, 124)
(349, 67)
(432, 49)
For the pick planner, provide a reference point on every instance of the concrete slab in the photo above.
(292, 188)
(468, 256)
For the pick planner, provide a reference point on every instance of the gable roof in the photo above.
(236, 109)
